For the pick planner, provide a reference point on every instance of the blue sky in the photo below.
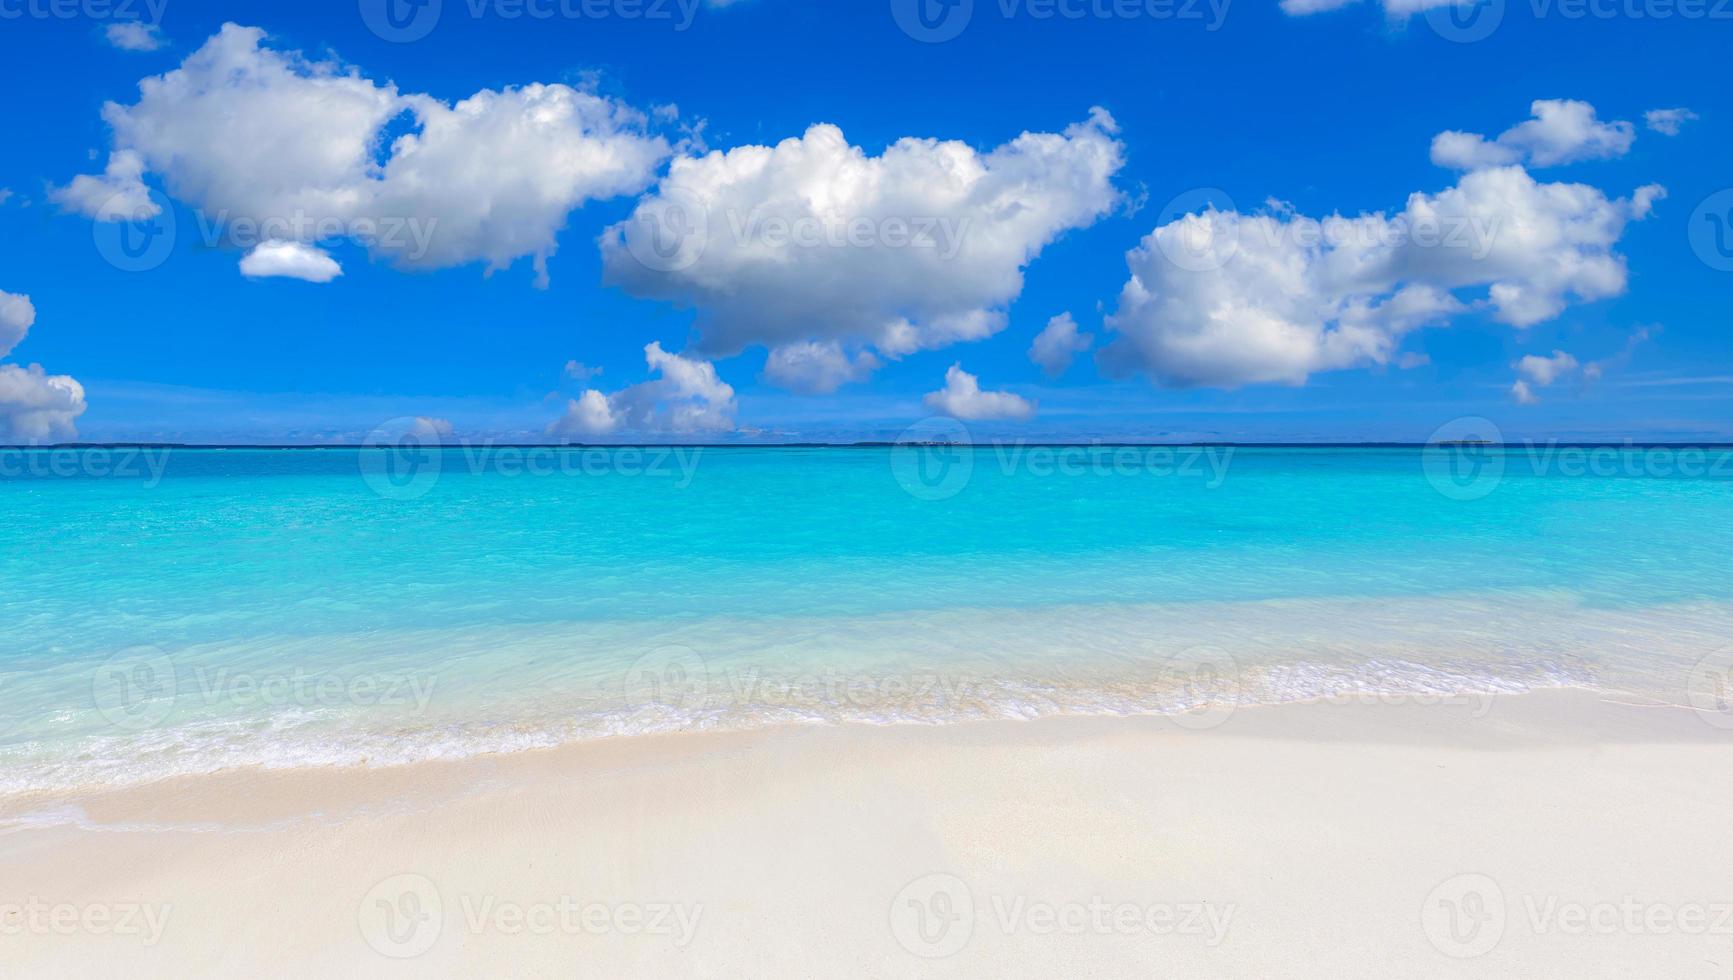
(1241, 121)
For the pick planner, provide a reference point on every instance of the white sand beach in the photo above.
(1543, 835)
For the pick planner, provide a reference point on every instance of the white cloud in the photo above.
(814, 241)
(38, 407)
(1544, 371)
(290, 260)
(132, 35)
(579, 371)
(816, 367)
(1227, 299)
(687, 398)
(118, 194)
(1562, 131)
(1667, 121)
(589, 414)
(962, 398)
(34, 406)
(1540, 372)
(17, 314)
(427, 430)
(290, 148)
(1057, 344)
(5, 194)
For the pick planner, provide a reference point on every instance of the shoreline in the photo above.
(395, 697)
(1300, 839)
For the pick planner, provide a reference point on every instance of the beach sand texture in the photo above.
(1546, 835)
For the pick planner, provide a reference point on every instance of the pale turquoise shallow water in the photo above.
(181, 613)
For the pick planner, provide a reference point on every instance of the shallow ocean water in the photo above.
(188, 610)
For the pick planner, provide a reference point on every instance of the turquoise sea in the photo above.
(168, 611)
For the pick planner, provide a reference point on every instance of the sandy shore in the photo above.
(1541, 835)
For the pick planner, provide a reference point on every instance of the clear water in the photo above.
(211, 608)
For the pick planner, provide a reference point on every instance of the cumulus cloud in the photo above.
(1562, 131)
(687, 398)
(274, 145)
(1220, 298)
(132, 35)
(17, 314)
(1544, 371)
(1057, 344)
(34, 406)
(290, 260)
(1539, 371)
(579, 371)
(117, 194)
(962, 398)
(427, 430)
(815, 242)
(817, 368)
(1667, 121)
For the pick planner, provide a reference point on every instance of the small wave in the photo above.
(767, 701)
